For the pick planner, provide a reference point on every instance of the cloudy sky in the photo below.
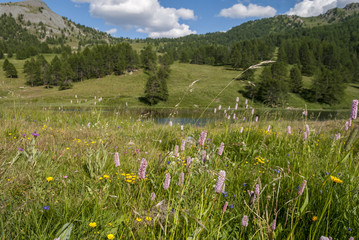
(176, 18)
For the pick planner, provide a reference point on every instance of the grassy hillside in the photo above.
(117, 90)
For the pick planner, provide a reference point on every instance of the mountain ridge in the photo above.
(40, 20)
(273, 25)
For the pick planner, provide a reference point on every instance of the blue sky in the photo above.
(175, 18)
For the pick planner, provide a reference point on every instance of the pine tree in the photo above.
(10, 70)
(279, 71)
(148, 58)
(67, 75)
(163, 74)
(296, 82)
(33, 72)
(55, 72)
(328, 86)
(153, 89)
(156, 87)
(306, 59)
(236, 58)
(282, 55)
(271, 91)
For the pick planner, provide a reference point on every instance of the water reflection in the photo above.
(202, 117)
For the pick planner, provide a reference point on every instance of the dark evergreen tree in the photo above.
(327, 86)
(56, 75)
(296, 82)
(184, 56)
(156, 86)
(148, 58)
(250, 87)
(153, 89)
(236, 58)
(271, 91)
(33, 73)
(306, 60)
(67, 75)
(10, 70)
(282, 55)
(163, 74)
(5, 65)
(279, 71)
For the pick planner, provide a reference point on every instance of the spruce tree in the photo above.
(328, 87)
(271, 91)
(148, 58)
(296, 82)
(5, 65)
(55, 72)
(153, 90)
(67, 76)
(163, 74)
(10, 70)
(279, 71)
(32, 71)
(236, 57)
(307, 60)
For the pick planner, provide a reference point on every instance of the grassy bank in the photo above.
(57, 169)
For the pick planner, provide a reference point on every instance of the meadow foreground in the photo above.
(94, 175)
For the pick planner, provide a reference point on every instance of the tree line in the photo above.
(240, 55)
(95, 62)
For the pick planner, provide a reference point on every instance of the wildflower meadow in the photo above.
(105, 175)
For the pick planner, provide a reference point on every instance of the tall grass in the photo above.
(77, 152)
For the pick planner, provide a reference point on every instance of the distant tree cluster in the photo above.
(96, 62)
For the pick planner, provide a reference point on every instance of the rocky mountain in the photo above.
(41, 21)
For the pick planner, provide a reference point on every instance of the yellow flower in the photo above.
(92, 224)
(100, 178)
(336, 180)
(138, 219)
(49, 179)
(314, 218)
(111, 236)
(148, 218)
(106, 176)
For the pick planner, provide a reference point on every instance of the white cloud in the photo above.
(147, 16)
(111, 31)
(252, 10)
(308, 8)
(185, 13)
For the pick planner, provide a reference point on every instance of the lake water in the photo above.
(201, 117)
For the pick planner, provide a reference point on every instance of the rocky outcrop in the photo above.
(34, 11)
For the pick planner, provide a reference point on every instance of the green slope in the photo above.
(215, 84)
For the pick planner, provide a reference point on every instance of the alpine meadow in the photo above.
(156, 131)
